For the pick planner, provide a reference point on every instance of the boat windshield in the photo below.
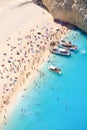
(62, 50)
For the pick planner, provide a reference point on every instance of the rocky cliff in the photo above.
(71, 11)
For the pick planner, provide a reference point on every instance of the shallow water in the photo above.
(56, 102)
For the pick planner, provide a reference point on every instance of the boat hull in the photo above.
(67, 45)
(73, 48)
(57, 52)
(54, 69)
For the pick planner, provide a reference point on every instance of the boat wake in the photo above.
(83, 51)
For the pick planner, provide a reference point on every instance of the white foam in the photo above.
(83, 51)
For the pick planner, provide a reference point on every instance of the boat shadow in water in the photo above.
(56, 74)
(63, 55)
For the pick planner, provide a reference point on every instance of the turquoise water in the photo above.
(56, 102)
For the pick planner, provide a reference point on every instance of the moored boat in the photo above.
(67, 45)
(60, 51)
(55, 69)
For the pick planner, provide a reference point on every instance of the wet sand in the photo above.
(25, 39)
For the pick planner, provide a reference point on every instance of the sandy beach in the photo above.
(26, 31)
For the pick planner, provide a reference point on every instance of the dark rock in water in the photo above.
(70, 11)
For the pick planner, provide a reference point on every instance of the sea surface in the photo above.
(56, 102)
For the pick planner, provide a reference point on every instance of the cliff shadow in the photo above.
(25, 3)
(39, 3)
(66, 24)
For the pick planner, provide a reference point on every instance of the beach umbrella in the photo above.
(39, 33)
(2, 65)
(52, 43)
(57, 29)
(4, 54)
(38, 45)
(9, 61)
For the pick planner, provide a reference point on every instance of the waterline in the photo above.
(56, 102)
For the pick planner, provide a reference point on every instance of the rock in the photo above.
(70, 11)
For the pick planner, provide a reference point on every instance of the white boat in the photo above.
(55, 69)
(67, 45)
(60, 51)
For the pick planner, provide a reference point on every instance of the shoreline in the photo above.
(25, 82)
(48, 32)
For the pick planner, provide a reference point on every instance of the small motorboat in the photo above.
(55, 69)
(60, 51)
(67, 45)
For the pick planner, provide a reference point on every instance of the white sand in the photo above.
(16, 23)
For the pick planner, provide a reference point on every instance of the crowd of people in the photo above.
(23, 57)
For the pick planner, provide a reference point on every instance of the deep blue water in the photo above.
(56, 102)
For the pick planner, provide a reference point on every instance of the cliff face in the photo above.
(71, 11)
